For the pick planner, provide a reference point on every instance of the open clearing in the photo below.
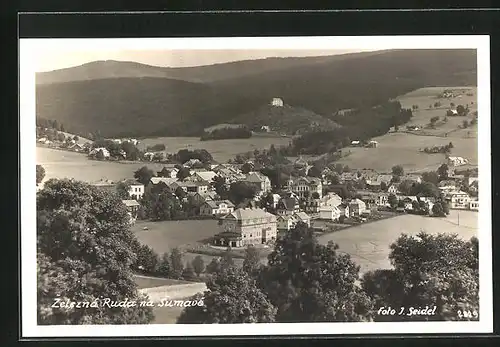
(166, 235)
(221, 150)
(368, 244)
(401, 148)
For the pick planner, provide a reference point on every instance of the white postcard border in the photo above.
(28, 54)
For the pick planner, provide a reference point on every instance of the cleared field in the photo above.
(368, 244)
(426, 97)
(164, 236)
(401, 148)
(404, 149)
(64, 164)
(150, 282)
(221, 150)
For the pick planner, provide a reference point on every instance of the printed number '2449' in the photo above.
(467, 314)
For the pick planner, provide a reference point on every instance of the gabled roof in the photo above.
(131, 203)
(302, 216)
(288, 204)
(166, 180)
(206, 175)
(250, 213)
(256, 177)
(132, 182)
(356, 202)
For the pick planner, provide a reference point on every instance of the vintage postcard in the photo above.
(255, 186)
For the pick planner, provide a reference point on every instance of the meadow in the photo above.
(368, 244)
(65, 164)
(402, 148)
(166, 235)
(221, 150)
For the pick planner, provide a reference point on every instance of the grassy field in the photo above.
(368, 244)
(164, 236)
(150, 282)
(404, 149)
(221, 150)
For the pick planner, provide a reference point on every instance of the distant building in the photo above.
(265, 128)
(357, 208)
(306, 186)
(474, 205)
(331, 213)
(277, 102)
(99, 151)
(187, 186)
(136, 189)
(355, 143)
(372, 144)
(246, 226)
(216, 208)
(132, 209)
(457, 161)
(260, 181)
(287, 206)
(458, 200)
(287, 222)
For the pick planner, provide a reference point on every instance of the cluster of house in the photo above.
(369, 144)
(68, 144)
(302, 200)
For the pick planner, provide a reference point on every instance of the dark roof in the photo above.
(287, 204)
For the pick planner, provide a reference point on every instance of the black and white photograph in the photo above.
(255, 186)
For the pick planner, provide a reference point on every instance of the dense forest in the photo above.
(360, 125)
(159, 106)
(287, 119)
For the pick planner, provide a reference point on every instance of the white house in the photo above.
(285, 222)
(459, 200)
(457, 161)
(474, 205)
(393, 189)
(265, 128)
(104, 152)
(329, 213)
(357, 208)
(132, 209)
(303, 186)
(277, 102)
(136, 189)
(355, 143)
(216, 208)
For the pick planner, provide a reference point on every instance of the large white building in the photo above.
(246, 226)
(277, 102)
(306, 186)
(457, 161)
(136, 189)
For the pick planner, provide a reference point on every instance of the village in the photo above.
(315, 201)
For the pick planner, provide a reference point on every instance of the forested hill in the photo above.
(145, 106)
(287, 120)
(105, 69)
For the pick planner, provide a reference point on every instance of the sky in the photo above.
(54, 59)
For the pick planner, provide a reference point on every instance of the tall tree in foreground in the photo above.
(85, 253)
(310, 282)
(251, 263)
(143, 175)
(232, 297)
(429, 270)
(40, 174)
(176, 263)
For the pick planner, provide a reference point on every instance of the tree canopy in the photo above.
(85, 253)
(434, 270)
(40, 174)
